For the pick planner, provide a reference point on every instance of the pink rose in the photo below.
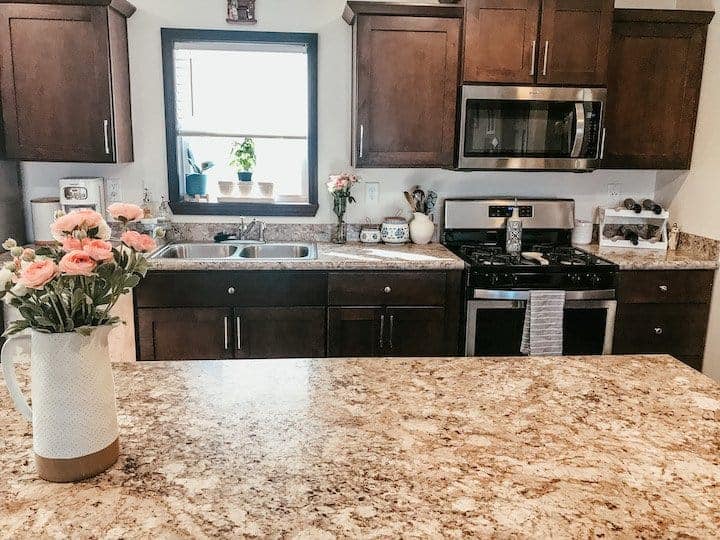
(139, 242)
(126, 212)
(39, 274)
(70, 243)
(99, 250)
(84, 219)
(77, 263)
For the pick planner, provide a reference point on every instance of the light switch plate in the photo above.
(372, 193)
(114, 191)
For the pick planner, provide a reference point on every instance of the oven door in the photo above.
(495, 327)
(532, 128)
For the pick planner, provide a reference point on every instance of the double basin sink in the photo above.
(238, 251)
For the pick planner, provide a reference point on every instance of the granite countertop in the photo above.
(350, 256)
(648, 259)
(567, 447)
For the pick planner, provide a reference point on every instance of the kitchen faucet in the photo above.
(244, 230)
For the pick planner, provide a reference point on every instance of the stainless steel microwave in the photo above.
(531, 128)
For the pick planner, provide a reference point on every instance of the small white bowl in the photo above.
(246, 188)
(267, 189)
(227, 187)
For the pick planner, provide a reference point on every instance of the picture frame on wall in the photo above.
(241, 12)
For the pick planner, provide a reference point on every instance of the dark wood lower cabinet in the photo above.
(184, 334)
(268, 314)
(396, 331)
(280, 332)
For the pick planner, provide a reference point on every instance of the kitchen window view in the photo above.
(242, 139)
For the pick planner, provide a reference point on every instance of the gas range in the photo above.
(499, 285)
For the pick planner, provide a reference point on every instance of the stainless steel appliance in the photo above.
(77, 193)
(497, 284)
(531, 128)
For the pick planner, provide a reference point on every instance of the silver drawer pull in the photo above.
(382, 332)
(106, 127)
(663, 288)
(658, 331)
(387, 290)
(231, 290)
(227, 334)
(238, 333)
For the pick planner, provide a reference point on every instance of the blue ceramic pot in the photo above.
(196, 184)
(245, 176)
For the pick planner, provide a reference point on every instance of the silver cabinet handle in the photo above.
(545, 61)
(387, 290)
(663, 288)
(382, 332)
(231, 290)
(392, 328)
(658, 331)
(362, 140)
(534, 51)
(106, 127)
(602, 144)
(238, 333)
(227, 333)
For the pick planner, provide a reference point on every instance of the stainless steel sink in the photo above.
(276, 251)
(237, 251)
(197, 251)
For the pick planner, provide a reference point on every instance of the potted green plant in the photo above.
(244, 159)
(196, 182)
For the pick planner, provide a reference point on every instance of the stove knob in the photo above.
(595, 280)
(575, 279)
(494, 279)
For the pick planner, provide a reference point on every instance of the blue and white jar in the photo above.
(395, 230)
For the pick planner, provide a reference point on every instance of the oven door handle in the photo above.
(579, 130)
(523, 296)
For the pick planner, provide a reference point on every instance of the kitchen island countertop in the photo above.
(528, 447)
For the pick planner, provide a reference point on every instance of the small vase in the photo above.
(340, 236)
(73, 415)
(422, 229)
(196, 184)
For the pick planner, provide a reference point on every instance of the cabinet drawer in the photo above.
(231, 289)
(666, 286)
(387, 289)
(676, 329)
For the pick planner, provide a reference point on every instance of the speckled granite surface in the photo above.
(648, 259)
(350, 256)
(617, 447)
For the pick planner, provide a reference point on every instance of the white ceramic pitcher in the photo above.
(422, 229)
(75, 430)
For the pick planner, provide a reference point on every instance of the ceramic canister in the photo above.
(395, 230)
(422, 229)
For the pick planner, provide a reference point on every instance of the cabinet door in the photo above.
(653, 94)
(356, 331)
(501, 41)
(281, 332)
(417, 331)
(406, 91)
(55, 81)
(575, 42)
(184, 334)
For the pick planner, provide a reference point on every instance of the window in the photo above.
(226, 88)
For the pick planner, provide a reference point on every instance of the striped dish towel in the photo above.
(543, 329)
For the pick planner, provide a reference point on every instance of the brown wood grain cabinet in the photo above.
(664, 312)
(64, 81)
(277, 314)
(405, 87)
(655, 74)
(554, 42)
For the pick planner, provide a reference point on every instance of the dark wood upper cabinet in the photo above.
(574, 42)
(501, 41)
(64, 81)
(655, 74)
(556, 42)
(405, 87)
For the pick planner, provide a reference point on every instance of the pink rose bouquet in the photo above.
(340, 187)
(73, 285)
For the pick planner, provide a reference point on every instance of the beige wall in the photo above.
(694, 196)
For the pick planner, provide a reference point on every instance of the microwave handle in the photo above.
(579, 130)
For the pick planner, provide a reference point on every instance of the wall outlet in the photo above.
(114, 191)
(615, 191)
(372, 193)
